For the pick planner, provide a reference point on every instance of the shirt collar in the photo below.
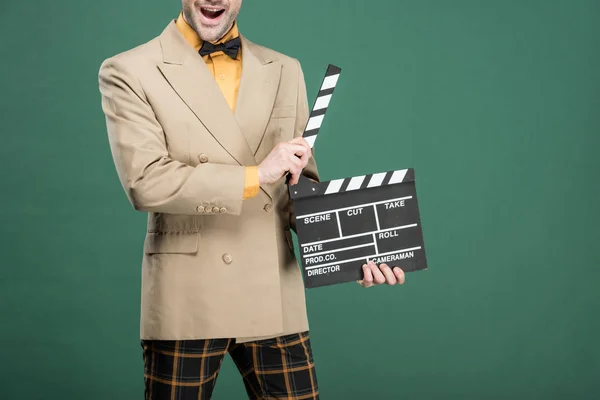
(194, 40)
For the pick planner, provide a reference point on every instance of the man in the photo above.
(204, 126)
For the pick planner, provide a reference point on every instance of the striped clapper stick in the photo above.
(343, 223)
(321, 104)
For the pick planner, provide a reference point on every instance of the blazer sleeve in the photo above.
(153, 182)
(302, 115)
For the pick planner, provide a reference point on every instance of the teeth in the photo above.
(212, 9)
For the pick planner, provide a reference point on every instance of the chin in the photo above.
(208, 35)
(211, 33)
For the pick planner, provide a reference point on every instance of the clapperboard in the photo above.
(343, 223)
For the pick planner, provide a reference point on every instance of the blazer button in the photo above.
(268, 208)
(203, 158)
(223, 210)
(200, 209)
(216, 210)
(227, 259)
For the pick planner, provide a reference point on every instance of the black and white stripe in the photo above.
(307, 188)
(369, 181)
(321, 104)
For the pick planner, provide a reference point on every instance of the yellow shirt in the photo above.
(227, 73)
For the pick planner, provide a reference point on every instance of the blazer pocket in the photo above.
(171, 242)
(284, 112)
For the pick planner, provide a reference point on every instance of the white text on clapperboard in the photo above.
(348, 245)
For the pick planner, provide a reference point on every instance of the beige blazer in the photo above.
(214, 265)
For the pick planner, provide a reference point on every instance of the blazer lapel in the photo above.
(257, 92)
(189, 76)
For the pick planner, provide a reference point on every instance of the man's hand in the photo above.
(286, 157)
(374, 275)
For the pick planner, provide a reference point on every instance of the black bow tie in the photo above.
(231, 48)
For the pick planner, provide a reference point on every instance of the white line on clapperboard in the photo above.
(375, 243)
(350, 208)
(337, 216)
(350, 237)
(376, 216)
(364, 257)
(336, 250)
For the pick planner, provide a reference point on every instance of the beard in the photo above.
(208, 33)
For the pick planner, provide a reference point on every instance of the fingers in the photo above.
(399, 275)
(378, 277)
(295, 168)
(295, 149)
(367, 276)
(390, 278)
(294, 156)
(306, 151)
(301, 141)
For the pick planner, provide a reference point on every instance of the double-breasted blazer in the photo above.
(213, 265)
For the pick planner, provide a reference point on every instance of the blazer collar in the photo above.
(176, 49)
(239, 133)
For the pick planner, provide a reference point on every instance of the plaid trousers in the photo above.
(278, 368)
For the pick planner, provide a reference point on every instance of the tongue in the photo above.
(211, 14)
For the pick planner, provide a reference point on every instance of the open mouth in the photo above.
(211, 12)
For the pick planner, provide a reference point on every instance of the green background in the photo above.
(496, 104)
